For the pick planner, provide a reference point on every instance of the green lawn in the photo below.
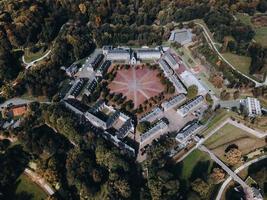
(26, 185)
(196, 165)
(261, 36)
(241, 63)
(191, 161)
(261, 33)
(226, 134)
(219, 117)
(246, 19)
(30, 56)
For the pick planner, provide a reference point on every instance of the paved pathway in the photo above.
(29, 64)
(255, 133)
(15, 101)
(212, 43)
(229, 179)
(40, 181)
(224, 167)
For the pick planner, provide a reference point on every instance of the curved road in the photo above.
(228, 180)
(211, 42)
(28, 65)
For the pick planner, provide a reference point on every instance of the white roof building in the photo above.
(148, 54)
(186, 132)
(253, 106)
(153, 133)
(171, 60)
(118, 54)
(189, 79)
(178, 84)
(182, 36)
(165, 67)
(156, 113)
(190, 106)
(175, 101)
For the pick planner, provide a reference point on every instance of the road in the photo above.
(224, 167)
(15, 101)
(212, 43)
(40, 181)
(229, 179)
(19, 101)
(28, 65)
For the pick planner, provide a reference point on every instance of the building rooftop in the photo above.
(156, 113)
(157, 128)
(190, 105)
(19, 110)
(188, 130)
(182, 36)
(174, 101)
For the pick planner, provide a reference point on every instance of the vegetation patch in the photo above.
(231, 135)
(241, 63)
(26, 185)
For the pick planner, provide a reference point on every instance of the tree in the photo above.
(143, 126)
(217, 175)
(262, 6)
(209, 99)
(192, 91)
(201, 188)
(236, 94)
(233, 156)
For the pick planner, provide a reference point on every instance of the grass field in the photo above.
(230, 134)
(241, 63)
(191, 162)
(26, 185)
(261, 36)
(30, 56)
(219, 117)
(196, 165)
(261, 33)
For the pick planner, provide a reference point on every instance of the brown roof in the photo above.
(19, 110)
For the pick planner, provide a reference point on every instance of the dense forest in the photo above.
(67, 153)
(72, 29)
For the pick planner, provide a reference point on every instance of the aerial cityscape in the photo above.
(133, 100)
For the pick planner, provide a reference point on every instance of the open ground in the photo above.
(25, 184)
(230, 134)
(137, 84)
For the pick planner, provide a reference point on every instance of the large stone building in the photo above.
(118, 55)
(148, 54)
(190, 106)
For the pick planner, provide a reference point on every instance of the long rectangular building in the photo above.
(171, 60)
(154, 132)
(148, 54)
(173, 102)
(165, 67)
(190, 105)
(180, 88)
(156, 113)
(118, 54)
(187, 131)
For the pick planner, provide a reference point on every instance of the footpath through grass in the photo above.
(25, 184)
(241, 63)
(190, 163)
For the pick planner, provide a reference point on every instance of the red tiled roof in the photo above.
(19, 110)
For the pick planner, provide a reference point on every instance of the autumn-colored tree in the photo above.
(201, 188)
(217, 175)
(233, 156)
